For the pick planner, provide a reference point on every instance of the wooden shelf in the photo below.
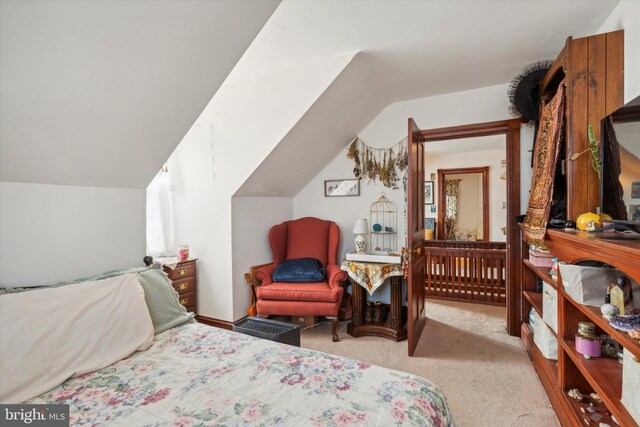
(542, 272)
(548, 366)
(593, 313)
(580, 416)
(535, 299)
(617, 249)
(604, 374)
(547, 372)
(601, 375)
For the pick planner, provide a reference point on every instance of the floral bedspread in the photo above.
(197, 375)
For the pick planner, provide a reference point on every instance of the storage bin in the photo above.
(550, 306)
(588, 285)
(546, 342)
(540, 259)
(631, 385)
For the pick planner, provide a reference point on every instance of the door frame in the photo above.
(511, 129)
(442, 200)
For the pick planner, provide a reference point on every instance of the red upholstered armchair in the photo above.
(303, 238)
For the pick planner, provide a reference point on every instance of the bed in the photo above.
(193, 374)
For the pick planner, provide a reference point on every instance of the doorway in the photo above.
(463, 203)
(417, 139)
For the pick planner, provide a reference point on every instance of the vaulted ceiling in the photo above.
(407, 50)
(100, 93)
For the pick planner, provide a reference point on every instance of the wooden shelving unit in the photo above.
(594, 315)
(535, 299)
(600, 375)
(542, 272)
(599, 94)
(604, 374)
(550, 367)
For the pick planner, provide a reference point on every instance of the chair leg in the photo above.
(334, 327)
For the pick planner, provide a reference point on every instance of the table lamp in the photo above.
(360, 229)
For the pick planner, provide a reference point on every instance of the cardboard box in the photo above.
(304, 321)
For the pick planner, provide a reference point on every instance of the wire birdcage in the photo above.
(383, 220)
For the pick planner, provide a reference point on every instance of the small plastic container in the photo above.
(589, 346)
(183, 252)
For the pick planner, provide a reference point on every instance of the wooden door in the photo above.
(415, 236)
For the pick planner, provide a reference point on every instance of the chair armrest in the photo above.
(265, 274)
(335, 276)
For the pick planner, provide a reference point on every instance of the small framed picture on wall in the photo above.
(342, 187)
(428, 192)
(433, 208)
(635, 190)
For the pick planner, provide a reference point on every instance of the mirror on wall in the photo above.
(620, 176)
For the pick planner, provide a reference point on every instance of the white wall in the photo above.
(241, 125)
(497, 186)
(52, 233)
(627, 16)
(253, 217)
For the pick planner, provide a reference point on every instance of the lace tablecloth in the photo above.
(370, 275)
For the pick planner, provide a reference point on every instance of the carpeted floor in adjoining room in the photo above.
(465, 349)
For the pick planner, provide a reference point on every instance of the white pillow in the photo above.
(50, 335)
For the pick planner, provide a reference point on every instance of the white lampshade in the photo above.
(361, 226)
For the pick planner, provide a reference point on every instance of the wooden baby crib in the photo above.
(473, 271)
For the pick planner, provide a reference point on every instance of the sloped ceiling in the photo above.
(99, 93)
(408, 50)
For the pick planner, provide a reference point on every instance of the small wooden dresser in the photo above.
(184, 281)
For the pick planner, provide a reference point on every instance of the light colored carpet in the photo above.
(465, 349)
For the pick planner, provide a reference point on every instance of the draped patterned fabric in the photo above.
(371, 275)
(452, 189)
(545, 158)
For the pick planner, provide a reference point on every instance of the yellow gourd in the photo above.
(605, 217)
(587, 221)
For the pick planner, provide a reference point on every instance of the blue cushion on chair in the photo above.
(299, 270)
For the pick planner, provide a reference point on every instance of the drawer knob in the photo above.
(182, 272)
(183, 286)
(184, 301)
